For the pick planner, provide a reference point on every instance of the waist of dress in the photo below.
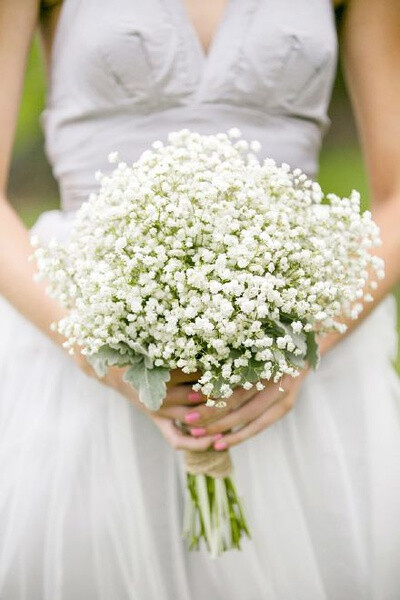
(79, 147)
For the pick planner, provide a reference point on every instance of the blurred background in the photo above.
(32, 188)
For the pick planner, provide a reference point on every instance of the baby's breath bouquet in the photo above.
(200, 257)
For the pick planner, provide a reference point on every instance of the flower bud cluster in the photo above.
(203, 258)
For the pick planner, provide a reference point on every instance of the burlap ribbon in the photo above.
(211, 462)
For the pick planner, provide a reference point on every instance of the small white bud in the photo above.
(234, 133)
(113, 157)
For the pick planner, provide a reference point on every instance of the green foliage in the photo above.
(108, 357)
(150, 383)
(148, 380)
(313, 355)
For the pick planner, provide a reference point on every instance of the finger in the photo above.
(251, 409)
(180, 441)
(183, 395)
(276, 411)
(178, 376)
(202, 415)
(177, 412)
(241, 416)
(240, 396)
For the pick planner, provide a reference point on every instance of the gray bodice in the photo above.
(126, 72)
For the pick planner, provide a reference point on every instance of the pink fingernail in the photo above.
(217, 436)
(192, 417)
(198, 431)
(194, 396)
(220, 445)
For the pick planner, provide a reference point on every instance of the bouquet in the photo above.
(202, 258)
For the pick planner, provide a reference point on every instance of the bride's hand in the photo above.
(179, 387)
(255, 415)
(179, 399)
(249, 411)
(246, 413)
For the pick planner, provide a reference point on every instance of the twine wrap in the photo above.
(213, 463)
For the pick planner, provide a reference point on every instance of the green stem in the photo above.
(213, 513)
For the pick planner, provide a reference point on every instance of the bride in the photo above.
(91, 483)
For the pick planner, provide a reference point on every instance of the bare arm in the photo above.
(18, 21)
(371, 47)
(371, 51)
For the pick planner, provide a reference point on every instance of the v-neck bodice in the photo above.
(125, 73)
(206, 41)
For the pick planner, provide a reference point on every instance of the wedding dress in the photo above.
(91, 496)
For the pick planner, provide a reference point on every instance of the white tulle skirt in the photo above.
(91, 495)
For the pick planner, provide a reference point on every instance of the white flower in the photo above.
(234, 133)
(205, 259)
(113, 157)
(297, 326)
(255, 146)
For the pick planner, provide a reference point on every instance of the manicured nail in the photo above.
(192, 417)
(217, 437)
(198, 431)
(194, 396)
(220, 445)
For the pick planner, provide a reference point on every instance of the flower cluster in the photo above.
(200, 257)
